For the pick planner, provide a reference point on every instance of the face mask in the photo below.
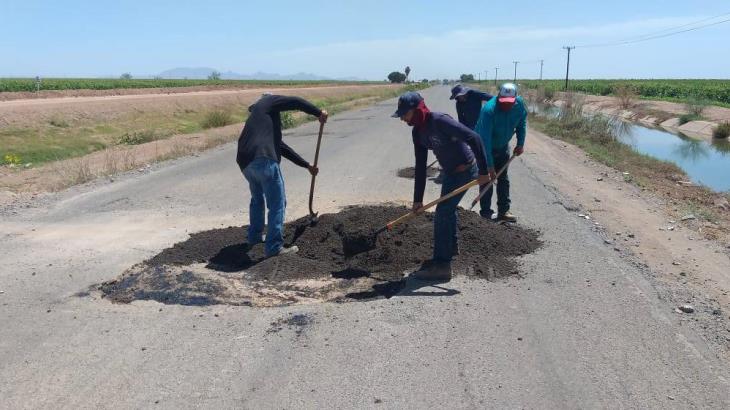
(505, 106)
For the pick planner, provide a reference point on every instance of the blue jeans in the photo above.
(501, 156)
(445, 223)
(267, 189)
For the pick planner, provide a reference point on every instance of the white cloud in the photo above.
(448, 54)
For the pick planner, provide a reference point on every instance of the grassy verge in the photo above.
(63, 138)
(597, 136)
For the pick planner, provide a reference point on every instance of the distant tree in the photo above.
(215, 75)
(425, 81)
(126, 76)
(467, 77)
(407, 71)
(396, 77)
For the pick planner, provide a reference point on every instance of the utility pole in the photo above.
(479, 76)
(515, 63)
(541, 63)
(567, 68)
(496, 74)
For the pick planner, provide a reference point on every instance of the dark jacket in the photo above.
(468, 111)
(453, 144)
(261, 135)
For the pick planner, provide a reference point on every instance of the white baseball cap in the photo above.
(507, 93)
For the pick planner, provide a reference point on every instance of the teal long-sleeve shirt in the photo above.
(496, 127)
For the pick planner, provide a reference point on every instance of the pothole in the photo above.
(219, 267)
(410, 172)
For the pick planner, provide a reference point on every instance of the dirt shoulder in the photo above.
(52, 94)
(637, 222)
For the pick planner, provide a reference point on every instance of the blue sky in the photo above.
(367, 39)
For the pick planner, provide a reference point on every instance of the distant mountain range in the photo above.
(204, 72)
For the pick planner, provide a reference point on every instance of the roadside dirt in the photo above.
(218, 267)
(30, 112)
(691, 257)
(46, 94)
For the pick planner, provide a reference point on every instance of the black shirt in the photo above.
(261, 135)
(468, 111)
(453, 144)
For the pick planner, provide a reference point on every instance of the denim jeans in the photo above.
(501, 156)
(445, 229)
(267, 190)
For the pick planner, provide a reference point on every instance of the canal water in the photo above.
(706, 163)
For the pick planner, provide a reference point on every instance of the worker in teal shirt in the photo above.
(499, 120)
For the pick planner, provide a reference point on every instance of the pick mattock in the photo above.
(358, 243)
(486, 187)
(313, 215)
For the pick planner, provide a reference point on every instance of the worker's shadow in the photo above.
(404, 287)
(234, 258)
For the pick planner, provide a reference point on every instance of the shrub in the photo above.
(549, 93)
(12, 159)
(217, 118)
(696, 106)
(722, 130)
(626, 96)
(685, 118)
(137, 137)
(58, 122)
(287, 120)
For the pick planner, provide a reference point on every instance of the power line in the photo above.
(678, 27)
(653, 36)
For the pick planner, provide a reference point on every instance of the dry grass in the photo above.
(626, 96)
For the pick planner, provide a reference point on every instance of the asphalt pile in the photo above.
(487, 251)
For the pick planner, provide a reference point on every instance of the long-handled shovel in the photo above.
(313, 215)
(486, 187)
(358, 243)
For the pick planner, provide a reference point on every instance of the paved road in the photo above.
(580, 327)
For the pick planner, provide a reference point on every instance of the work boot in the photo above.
(286, 251)
(435, 272)
(486, 215)
(506, 217)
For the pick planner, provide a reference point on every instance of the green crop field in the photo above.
(29, 84)
(713, 91)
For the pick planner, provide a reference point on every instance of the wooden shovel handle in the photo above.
(316, 160)
(450, 195)
(486, 187)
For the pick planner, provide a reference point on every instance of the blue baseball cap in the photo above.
(458, 91)
(406, 102)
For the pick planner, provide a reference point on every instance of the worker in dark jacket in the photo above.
(260, 149)
(468, 104)
(460, 153)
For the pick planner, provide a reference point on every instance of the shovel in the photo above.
(486, 187)
(313, 215)
(355, 243)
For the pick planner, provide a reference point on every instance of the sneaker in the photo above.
(440, 272)
(506, 217)
(286, 251)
